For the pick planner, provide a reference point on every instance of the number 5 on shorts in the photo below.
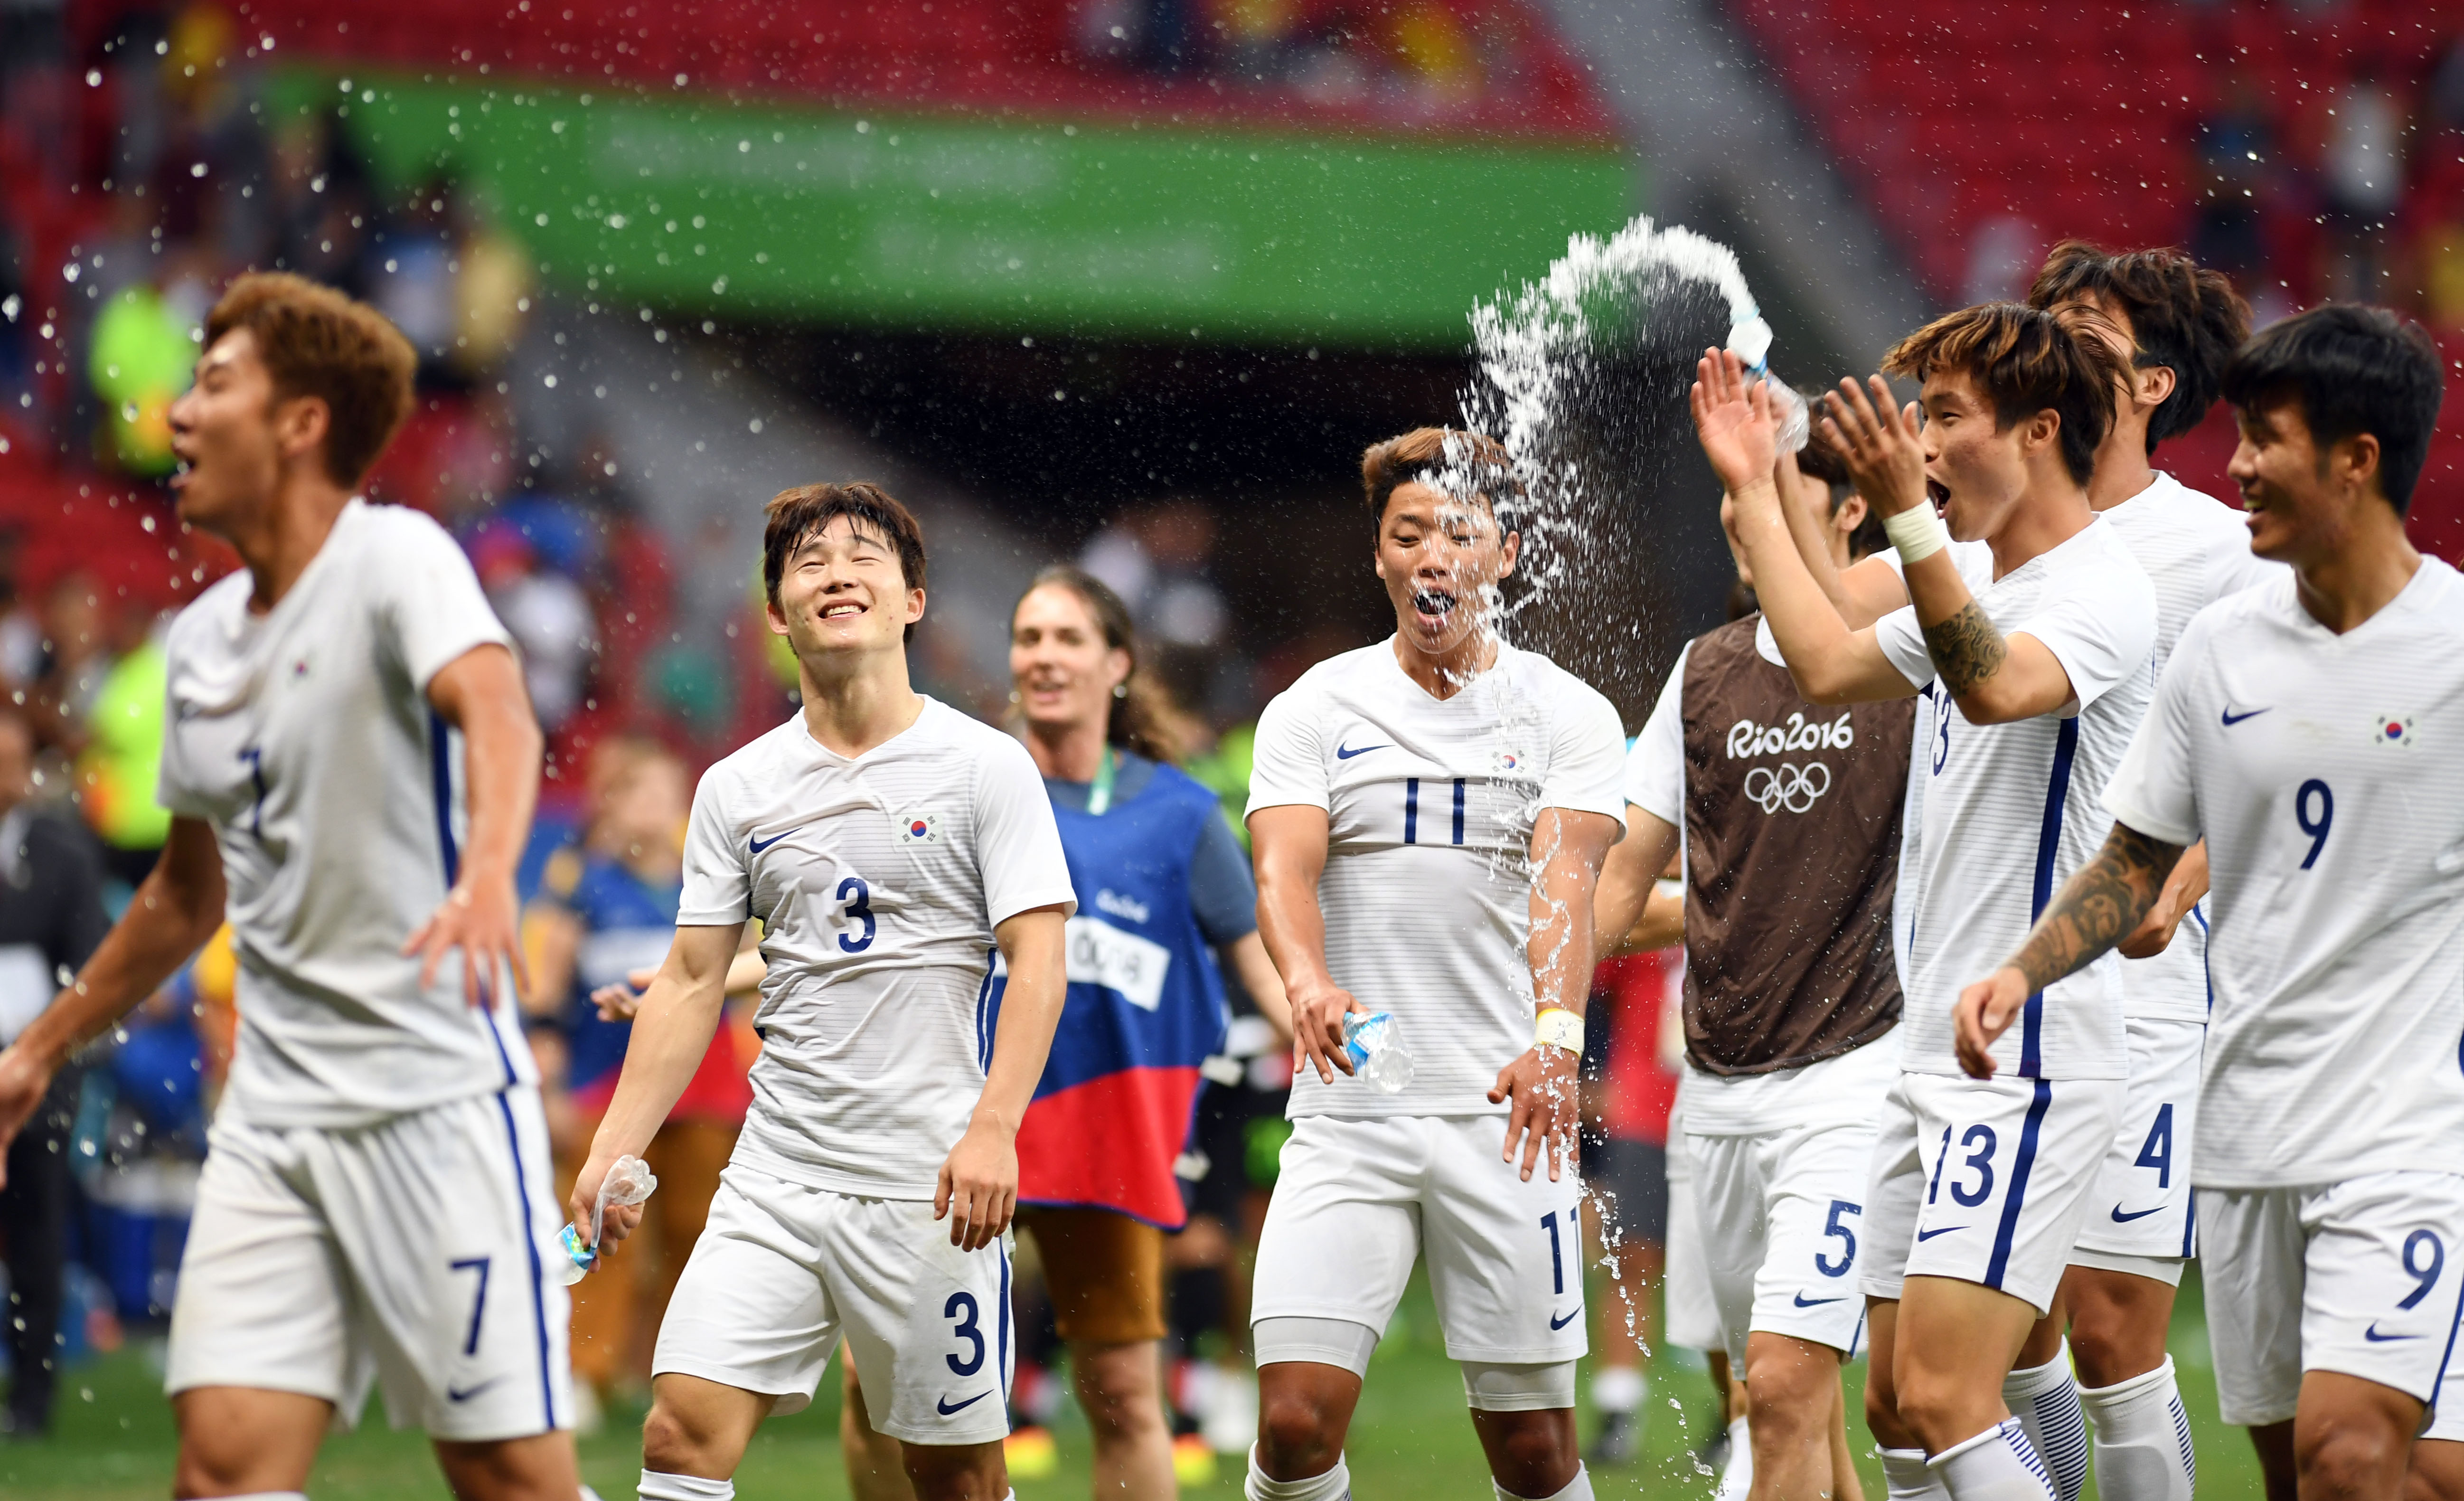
(1832, 1228)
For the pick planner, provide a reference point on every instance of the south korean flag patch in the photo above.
(919, 829)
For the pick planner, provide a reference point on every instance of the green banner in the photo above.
(916, 221)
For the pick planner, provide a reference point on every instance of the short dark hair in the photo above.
(315, 342)
(2182, 316)
(2354, 369)
(1428, 453)
(794, 515)
(2024, 360)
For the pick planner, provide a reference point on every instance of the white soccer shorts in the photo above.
(1783, 1216)
(784, 1271)
(1693, 1308)
(1984, 1181)
(2139, 1215)
(2364, 1277)
(1356, 1201)
(412, 1254)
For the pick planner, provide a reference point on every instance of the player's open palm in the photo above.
(1545, 1088)
(978, 1189)
(1882, 443)
(1984, 1012)
(481, 918)
(1317, 1029)
(1739, 432)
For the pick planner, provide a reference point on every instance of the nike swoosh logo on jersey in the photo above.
(2232, 718)
(1926, 1235)
(759, 844)
(2119, 1218)
(465, 1394)
(2373, 1335)
(1802, 1301)
(1570, 1314)
(1347, 752)
(946, 1407)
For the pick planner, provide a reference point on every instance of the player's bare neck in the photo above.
(2362, 573)
(276, 541)
(2123, 471)
(857, 706)
(1444, 674)
(2053, 510)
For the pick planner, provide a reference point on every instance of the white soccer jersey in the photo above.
(2322, 770)
(2196, 551)
(878, 881)
(1430, 805)
(2010, 809)
(305, 738)
(1974, 562)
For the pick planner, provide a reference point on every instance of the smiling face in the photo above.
(1441, 560)
(232, 435)
(2288, 486)
(1974, 474)
(1063, 671)
(842, 593)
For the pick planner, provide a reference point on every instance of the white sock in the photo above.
(1619, 1388)
(1906, 1477)
(2142, 1439)
(1997, 1465)
(2046, 1401)
(1335, 1485)
(1737, 1479)
(1578, 1488)
(658, 1486)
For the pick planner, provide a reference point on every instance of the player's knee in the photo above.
(672, 1444)
(210, 1465)
(1790, 1391)
(1532, 1449)
(1296, 1432)
(2347, 1458)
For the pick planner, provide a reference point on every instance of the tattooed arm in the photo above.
(2097, 908)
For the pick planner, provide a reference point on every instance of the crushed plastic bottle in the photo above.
(630, 1181)
(1374, 1042)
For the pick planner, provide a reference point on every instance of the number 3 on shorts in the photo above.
(963, 1308)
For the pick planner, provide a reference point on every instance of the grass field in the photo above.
(113, 1440)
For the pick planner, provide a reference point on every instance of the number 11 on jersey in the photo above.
(1411, 811)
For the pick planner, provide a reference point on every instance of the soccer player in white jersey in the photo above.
(350, 768)
(889, 844)
(2035, 680)
(1429, 817)
(2304, 729)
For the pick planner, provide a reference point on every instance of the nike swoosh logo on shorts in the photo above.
(1926, 1235)
(2232, 718)
(1572, 1315)
(1802, 1301)
(1347, 752)
(460, 1394)
(2119, 1218)
(2373, 1335)
(945, 1408)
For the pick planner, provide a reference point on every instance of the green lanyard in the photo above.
(1099, 797)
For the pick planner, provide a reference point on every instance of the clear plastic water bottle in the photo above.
(1374, 1042)
(630, 1181)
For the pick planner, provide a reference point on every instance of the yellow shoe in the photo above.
(1030, 1453)
(1193, 1463)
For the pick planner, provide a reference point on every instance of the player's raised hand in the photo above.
(1317, 1029)
(481, 918)
(1882, 444)
(617, 1002)
(1545, 1092)
(978, 1191)
(1984, 1012)
(1734, 420)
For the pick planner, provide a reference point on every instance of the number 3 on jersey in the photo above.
(858, 898)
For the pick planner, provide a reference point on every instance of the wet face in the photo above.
(1063, 672)
(843, 592)
(1973, 475)
(231, 436)
(1441, 560)
(2288, 485)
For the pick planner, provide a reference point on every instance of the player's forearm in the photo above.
(1570, 849)
(176, 909)
(1661, 925)
(1970, 652)
(1034, 945)
(2098, 907)
(1631, 869)
(502, 752)
(1294, 931)
(1249, 961)
(672, 1032)
(1813, 550)
(1814, 639)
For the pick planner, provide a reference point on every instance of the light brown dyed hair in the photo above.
(793, 515)
(315, 342)
(2024, 360)
(1424, 455)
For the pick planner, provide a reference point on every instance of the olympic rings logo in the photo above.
(1772, 788)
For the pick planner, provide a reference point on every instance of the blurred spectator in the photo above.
(119, 758)
(2234, 146)
(140, 362)
(21, 625)
(492, 298)
(605, 910)
(2362, 175)
(413, 278)
(547, 613)
(51, 918)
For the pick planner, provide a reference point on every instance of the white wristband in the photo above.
(1558, 1028)
(1916, 533)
